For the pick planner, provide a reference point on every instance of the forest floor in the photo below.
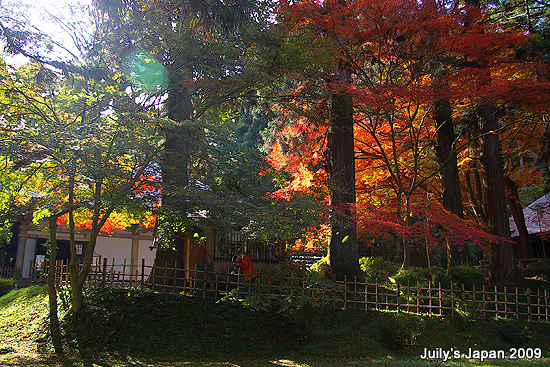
(136, 328)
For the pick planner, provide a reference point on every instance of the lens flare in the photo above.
(145, 72)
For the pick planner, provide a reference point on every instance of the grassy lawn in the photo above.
(132, 328)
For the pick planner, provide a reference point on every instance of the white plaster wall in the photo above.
(30, 249)
(115, 248)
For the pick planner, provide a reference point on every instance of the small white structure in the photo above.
(537, 221)
(537, 217)
(122, 249)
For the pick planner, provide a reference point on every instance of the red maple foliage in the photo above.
(404, 56)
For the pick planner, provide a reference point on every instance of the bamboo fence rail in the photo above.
(476, 301)
(9, 272)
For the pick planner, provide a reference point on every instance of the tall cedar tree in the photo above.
(446, 152)
(343, 253)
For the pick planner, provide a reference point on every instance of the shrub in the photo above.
(301, 317)
(253, 297)
(467, 275)
(321, 266)
(402, 331)
(467, 312)
(440, 277)
(6, 285)
(540, 268)
(513, 333)
(407, 277)
(377, 268)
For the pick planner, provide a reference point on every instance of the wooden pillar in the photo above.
(134, 261)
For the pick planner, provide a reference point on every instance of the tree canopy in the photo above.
(404, 57)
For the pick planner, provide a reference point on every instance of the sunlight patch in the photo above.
(288, 363)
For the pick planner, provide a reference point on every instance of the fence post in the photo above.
(354, 292)
(417, 296)
(463, 295)
(546, 303)
(398, 297)
(387, 300)
(440, 301)
(175, 278)
(204, 283)
(409, 299)
(142, 273)
(345, 291)
(366, 294)
(216, 286)
(529, 304)
(517, 304)
(164, 278)
(104, 272)
(67, 273)
(62, 272)
(496, 303)
(452, 301)
(505, 303)
(483, 301)
(430, 295)
(303, 288)
(475, 298)
(538, 304)
(376, 295)
(124, 273)
(239, 283)
(30, 273)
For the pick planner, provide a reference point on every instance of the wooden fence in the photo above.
(9, 272)
(475, 302)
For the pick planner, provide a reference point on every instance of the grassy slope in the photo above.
(23, 316)
(122, 328)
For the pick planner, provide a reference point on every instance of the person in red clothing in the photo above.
(246, 266)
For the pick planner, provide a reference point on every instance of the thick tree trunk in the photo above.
(166, 261)
(176, 147)
(449, 179)
(77, 298)
(343, 254)
(519, 218)
(475, 192)
(79, 274)
(406, 243)
(451, 196)
(55, 329)
(174, 166)
(501, 255)
(79, 277)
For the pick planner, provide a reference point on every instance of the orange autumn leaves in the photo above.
(148, 185)
(117, 221)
